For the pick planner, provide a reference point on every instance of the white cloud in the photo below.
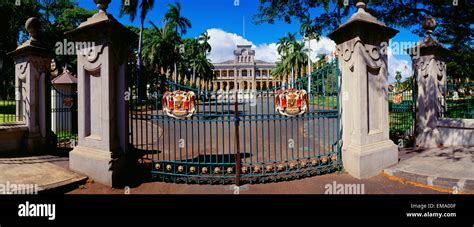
(267, 52)
(224, 43)
(395, 64)
(323, 46)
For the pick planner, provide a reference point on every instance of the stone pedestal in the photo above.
(366, 149)
(103, 49)
(430, 74)
(32, 65)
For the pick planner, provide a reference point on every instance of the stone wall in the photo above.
(11, 137)
(456, 132)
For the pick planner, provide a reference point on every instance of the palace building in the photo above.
(248, 72)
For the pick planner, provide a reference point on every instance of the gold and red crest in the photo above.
(291, 102)
(179, 104)
(397, 99)
(68, 102)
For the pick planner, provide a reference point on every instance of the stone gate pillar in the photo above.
(102, 45)
(361, 44)
(429, 66)
(32, 65)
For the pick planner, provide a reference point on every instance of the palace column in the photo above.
(366, 147)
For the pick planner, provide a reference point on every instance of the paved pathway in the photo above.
(47, 172)
(450, 168)
(312, 185)
(210, 134)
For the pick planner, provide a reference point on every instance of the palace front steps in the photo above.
(450, 168)
(50, 173)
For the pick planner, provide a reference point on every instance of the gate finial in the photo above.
(429, 24)
(32, 25)
(102, 5)
(361, 5)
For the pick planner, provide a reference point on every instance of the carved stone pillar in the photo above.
(102, 108)
(32, 65)
(429, 65)
(366, 149)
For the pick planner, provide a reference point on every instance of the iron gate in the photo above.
(402, 100)
(236, 137)
(64, 116)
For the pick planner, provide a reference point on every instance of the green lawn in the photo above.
(325, 101)
(7, 111)
(461, 108)
(65, 135)
(399, 124)
(7, 118)
(401, 119)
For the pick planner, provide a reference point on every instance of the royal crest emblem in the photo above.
(291, 102)
(397, 99)
(179, 104)
(68, 102)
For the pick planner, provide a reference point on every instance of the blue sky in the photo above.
(226, 20)
(223, 14)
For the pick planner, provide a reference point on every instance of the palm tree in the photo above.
(298, 58)
(178, 22)
(203, 66)
(196, 57)
(204, 41)
(131, 9)
(174, 17)
(158, 48)
(307, 31)
(284, 49)
(284, 44)
(293, 57)
(398, 78)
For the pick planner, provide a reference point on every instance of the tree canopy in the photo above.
(455, 28)
(56, 17)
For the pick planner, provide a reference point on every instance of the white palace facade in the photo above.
(245, 70)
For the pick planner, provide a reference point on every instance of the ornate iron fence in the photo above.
(11, 107)
(459, 98)
(189, 134)
(64, 118)
(402, 101)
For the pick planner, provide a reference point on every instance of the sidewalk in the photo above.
(50, 173)
(431, 171)
(449, 168)
(313, 185)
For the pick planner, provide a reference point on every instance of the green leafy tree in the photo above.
(293, 58)
(159, 48)
(56, 17)
(455, 21)
(131, 9)
(174, 17)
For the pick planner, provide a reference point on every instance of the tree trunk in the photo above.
(292, 84)
(309, 67)
(140, 84)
